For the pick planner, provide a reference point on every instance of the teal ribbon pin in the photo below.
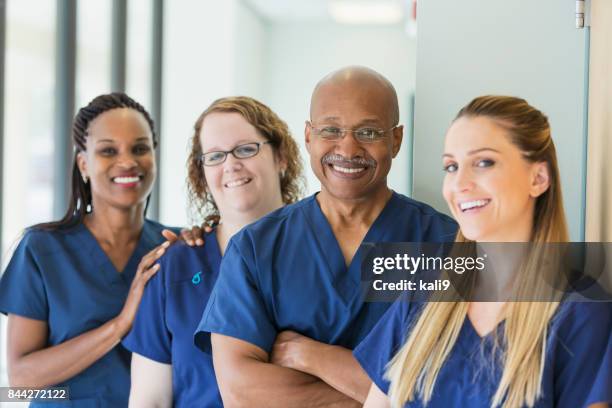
(196, 278)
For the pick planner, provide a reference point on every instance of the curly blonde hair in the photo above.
(270, 126)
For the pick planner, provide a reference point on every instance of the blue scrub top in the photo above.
(171, 308)
(65, 278)
(287, 272)
(602, 390)
(573, 374)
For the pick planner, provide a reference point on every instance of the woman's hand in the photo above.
(193, 236)
(33, 363)
(148, 267)
(145, 271)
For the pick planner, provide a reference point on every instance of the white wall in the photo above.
(249, 44)
(599, 179)
(523, 48)
(300, 54)
(214, 49)
(207, 44)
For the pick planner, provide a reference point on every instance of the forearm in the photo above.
(151, 383)
(337, 367)
(258, 384)
(53, 365)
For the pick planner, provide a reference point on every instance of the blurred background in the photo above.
(176, 57)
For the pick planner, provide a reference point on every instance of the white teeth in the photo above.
(126, 180)
(347, 170)
(236, 183)
(473, 204)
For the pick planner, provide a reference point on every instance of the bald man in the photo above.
(287, 308)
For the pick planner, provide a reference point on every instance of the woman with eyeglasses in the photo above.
(502, 184)
(72, 287)
(243, 164)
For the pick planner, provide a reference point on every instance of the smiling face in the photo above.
(346, 168)
(240, 187)
(489, 186)
(119, 159)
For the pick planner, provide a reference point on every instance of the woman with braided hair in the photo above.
(72, 287)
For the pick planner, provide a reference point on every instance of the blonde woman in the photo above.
(502, 185)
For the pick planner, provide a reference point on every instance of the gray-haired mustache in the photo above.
(338, 159)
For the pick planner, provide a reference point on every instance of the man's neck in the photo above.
(355, 213)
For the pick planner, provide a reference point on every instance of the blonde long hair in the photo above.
(414, 369)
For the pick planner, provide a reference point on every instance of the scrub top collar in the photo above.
(101, 262)
(331, 249)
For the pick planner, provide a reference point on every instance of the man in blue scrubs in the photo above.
(287, 308)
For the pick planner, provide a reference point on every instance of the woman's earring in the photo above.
(85, 179)
(282, 173)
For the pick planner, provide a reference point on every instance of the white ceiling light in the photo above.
(366, 12)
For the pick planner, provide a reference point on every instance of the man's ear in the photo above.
(307, 135)
(540, 179)
(397, 136)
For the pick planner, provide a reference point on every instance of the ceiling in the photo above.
(283, 10)
(343, 11)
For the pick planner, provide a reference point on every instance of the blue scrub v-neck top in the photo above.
(287, 272)
(171, 308)
(574, 376)
(65, 278)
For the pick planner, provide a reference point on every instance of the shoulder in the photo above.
(432, 224)
(181, 261)
(580, 326)
(42, 241)
(404, 312)
(419, 209)
(181, 253)
(156, 227)
(275, 222)
(152, 234)
(576, 316)
(396, 323)
(284, 213)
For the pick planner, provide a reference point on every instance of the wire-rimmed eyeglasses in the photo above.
(365, 134)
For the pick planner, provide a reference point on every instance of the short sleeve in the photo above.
(149, 336)
(236, 307)
(383, 342)
(582, 337)
(22, 287)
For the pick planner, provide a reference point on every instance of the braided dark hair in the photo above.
(80, 192)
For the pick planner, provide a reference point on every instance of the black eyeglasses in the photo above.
(243, 151)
